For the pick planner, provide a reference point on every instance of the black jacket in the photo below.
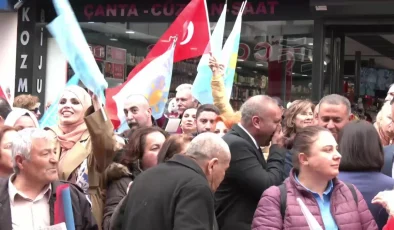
(118, 178)
(248, 176)
(174, 195)
(387, 168)
(83, 217)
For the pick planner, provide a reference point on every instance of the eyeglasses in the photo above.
(36, 110)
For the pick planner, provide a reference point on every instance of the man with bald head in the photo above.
(138, 113)
(249, 175)
(178, 194)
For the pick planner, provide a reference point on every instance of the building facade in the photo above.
(292, 49)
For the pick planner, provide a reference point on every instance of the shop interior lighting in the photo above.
(321, 8)
(304, 75)
(90, 22)
(113, 39)
(259, 64)
(310, 44)
(129, 32)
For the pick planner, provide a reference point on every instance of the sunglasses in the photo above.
(36, 110)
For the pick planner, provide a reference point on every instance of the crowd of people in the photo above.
(255, 168)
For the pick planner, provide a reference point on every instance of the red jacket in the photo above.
(346, 213)
(390, 224)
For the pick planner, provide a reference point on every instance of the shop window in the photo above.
(275, 57)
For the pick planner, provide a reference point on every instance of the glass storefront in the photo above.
(274, 58)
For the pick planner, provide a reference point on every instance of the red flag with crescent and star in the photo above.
(192, 33)
(192, 30)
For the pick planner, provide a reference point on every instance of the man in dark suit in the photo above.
(249, 174)
(178, 194)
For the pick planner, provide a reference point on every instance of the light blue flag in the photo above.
(68, 34)
(230, 53)
(202, 90)
(50, 116)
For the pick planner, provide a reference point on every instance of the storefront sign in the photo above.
(114, 70)
(31, 52)
(118, 71)
(92, 11)
(98, 51)
(116, 55)
(167, 11)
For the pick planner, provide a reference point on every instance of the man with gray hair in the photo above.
(178, 194)
(28, 196)
(249, 174)
(334, 113)
(184, 98)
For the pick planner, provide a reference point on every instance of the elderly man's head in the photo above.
(390, 93)
(261, 116)
(34, 156)
(212, 154)
(138, 112)
(384, 120)
(334, 113)
(184, 98)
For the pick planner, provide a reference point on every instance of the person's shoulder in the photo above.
(3, 181)
(73, 187)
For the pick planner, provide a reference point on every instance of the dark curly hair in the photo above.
(134, 150)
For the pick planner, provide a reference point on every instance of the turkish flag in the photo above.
(193, 31)
(2, 94)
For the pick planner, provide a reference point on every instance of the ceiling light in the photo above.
(321, 8)
(113, 39)
(325, 63)
(239, 67)
(240, 59)
(304, 75)
(293, 73)
(310, 44)
(129, 32)
(90, 22)
(259, 64)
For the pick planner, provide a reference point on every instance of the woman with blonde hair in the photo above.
(299, 115)
(384, 124)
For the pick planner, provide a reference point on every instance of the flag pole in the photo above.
(101, 108)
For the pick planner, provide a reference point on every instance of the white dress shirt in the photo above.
(246, 131)
(28, 214)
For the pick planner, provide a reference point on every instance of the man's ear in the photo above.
(351, 117)
(211, 164)
(150, 111)
(19, 161)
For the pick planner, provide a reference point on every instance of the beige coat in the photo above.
(98, 146)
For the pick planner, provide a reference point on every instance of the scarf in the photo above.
(72, 133)
(17, 113)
